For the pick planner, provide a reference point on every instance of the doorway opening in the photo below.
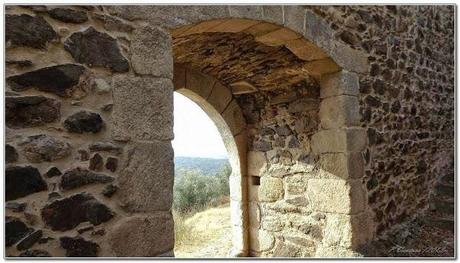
(201, 206)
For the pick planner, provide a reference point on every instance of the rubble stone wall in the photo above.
(406, 101)
(89, 159)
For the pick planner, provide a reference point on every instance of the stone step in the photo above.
(445, 190)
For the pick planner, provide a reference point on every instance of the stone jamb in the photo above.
(340, 144)
(142, 117)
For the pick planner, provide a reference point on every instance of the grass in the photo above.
(180, 228)
(204, 234)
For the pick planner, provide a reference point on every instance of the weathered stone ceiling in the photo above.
(235, 58)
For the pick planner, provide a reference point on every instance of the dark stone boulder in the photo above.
(111, 164)
(67, 213)
(19, 63)
(68, 15)
(53, 196)
(11, 155)
(99, 232)
(52, 172)
(96, 162)
(267, 131)
(79, 247)
(84, 155)
(16, 207)
(60, 80)
(85, 229)
(375, 137)
(373, 101)
(84, 121)
(36, 8)
(31, 111)
(45, 148)
(107, 107)
(105, 147)
(319, 216)
(35, 253)
(28, 31)
(109, 190)
(78, 177)
(21, 181)
(283, 130)
(348, 38)
(44, 240)
(395, 107)
(29, 240)
(293, 143)
(262, 146)
(15, 230)
(11, 93)
(95, 48)
(372, 183)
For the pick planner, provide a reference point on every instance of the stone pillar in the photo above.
(339, 144)
(143, 117)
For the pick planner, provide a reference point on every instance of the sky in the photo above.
(195, 134)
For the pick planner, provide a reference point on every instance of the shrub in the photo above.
(194, 191)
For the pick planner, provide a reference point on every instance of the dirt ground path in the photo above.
(209, 235)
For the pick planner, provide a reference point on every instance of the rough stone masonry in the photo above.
(338, 121)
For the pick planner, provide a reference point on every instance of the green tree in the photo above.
(194, 191)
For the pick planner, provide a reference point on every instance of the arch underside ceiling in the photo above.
(258, 61)
(245, 65)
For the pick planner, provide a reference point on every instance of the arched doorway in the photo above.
(217, 101)
(302, 149)
(302, 195)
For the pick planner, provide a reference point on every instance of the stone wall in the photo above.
(406, 100)
(83, 177)
(89, 122)
(305, 164)
(283, 222)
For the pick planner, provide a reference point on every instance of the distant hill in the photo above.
(208, 166)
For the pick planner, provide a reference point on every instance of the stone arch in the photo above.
(269, 34)
(217, 101)
(335, 188)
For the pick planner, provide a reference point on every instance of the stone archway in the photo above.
(217, 101)
(332, 180)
